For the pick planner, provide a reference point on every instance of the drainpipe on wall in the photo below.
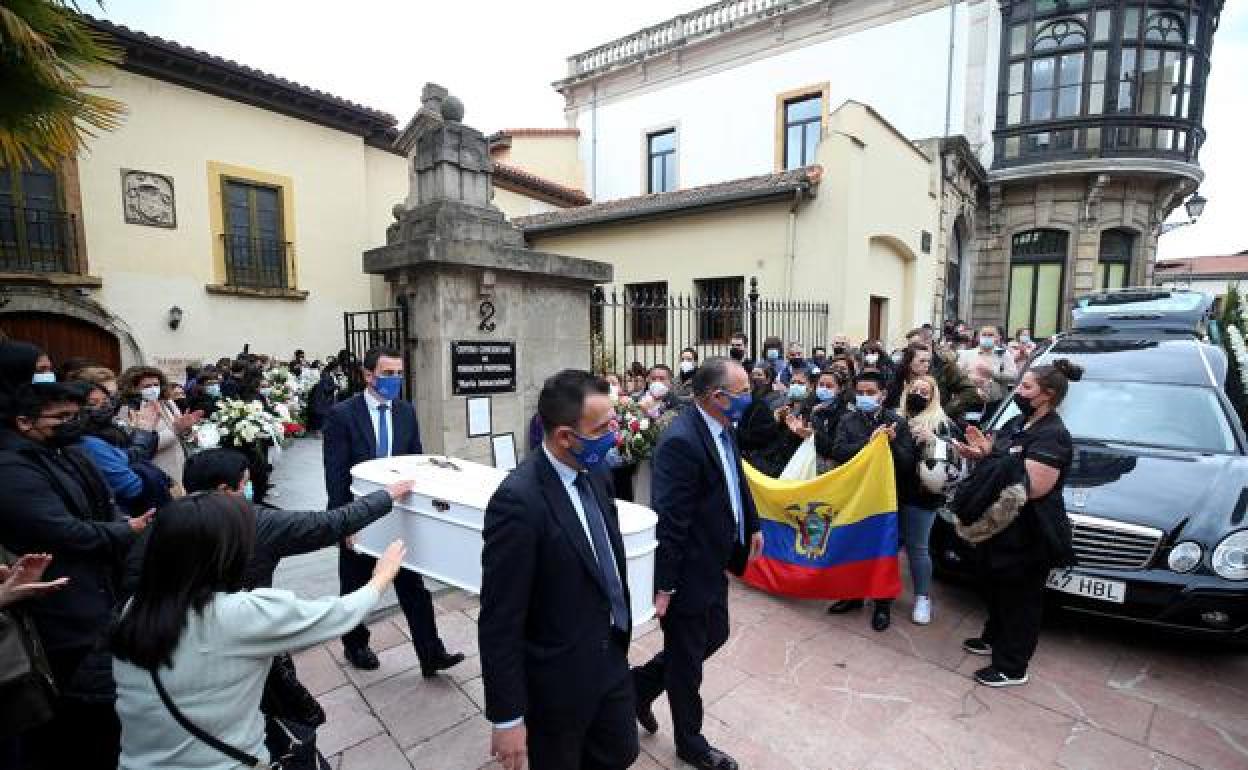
(790, 246)
(953, 12)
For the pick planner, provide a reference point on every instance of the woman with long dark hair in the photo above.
(1016, 561)
(191, 630)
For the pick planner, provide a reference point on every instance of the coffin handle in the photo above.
(441, 506)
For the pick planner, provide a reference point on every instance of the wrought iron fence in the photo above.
(255, 263)
(367, 329)
(644, 323)
(37, 241)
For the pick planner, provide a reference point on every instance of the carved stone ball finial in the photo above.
(452, 109)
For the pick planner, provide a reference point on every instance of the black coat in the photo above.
(55, 501)
(855, 430)
(349, 440)
(282, 533)
(697, 533)
(548, 650)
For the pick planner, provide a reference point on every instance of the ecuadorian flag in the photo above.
(833, 537)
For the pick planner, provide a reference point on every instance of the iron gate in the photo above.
(367, 329)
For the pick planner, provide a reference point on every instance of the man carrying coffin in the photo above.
(372, 424)
(555, 622)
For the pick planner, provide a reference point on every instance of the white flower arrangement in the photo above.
(240, 424)
(1236, 339)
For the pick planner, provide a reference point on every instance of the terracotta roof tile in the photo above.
(1230, 264)
(568, 132)
(749, 188)
(553, 191)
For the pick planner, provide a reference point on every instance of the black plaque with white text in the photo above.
(480, 368)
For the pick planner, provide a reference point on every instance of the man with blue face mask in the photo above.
(707, 525)
(867, 417)
(555, 622)
(378, 423)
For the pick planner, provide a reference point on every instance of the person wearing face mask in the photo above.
(827, 409)
(708, 526)
(555, 622)
(45, 373)
(757, 430)
(738, 349)
(1024, 339)
(921, 493)
(1015, 562)
(660, 395)
(875, 357)
(991, 350)
(795, 361)
(773, 354)
(372, 424)
(136, 483)
(792, 427)
(687, 366)
(818, 358)
(144, 393)
(865, 419)
(56, 502)
(206, 392)
(957, 392)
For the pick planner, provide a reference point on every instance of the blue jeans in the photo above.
(916, 530)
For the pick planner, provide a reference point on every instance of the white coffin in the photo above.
(440, 522)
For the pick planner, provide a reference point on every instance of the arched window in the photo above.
(1037, 271)
(1164, 27)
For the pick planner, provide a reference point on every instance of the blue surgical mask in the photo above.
(43, 378)
(797, 391)
(737, 405)
(867, 404)
(987, 343)
(249, 492)
(389, 388)
(825, 394)
(593, 450)
(773, 354)
(212, 391)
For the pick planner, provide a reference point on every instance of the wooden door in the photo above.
(63, 337)
(877, 318)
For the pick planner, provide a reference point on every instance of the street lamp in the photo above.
(1195, 206)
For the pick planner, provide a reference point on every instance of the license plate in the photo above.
(1070, 582)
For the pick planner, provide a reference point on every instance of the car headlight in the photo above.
(1230, 558)
(1184, 557)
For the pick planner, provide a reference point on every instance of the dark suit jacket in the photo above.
(697, 533)
(349, 440)
(548, 651)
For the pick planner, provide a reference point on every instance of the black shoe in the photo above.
(645, 717)
(844, 605)
(977, 646)
(362, 658)
(991, 677)
(713, 759)
(440, 663)
(882, 616)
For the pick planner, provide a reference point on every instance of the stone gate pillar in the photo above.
(488, 318)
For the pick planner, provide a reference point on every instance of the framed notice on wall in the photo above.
(481, 368)
(504, 446)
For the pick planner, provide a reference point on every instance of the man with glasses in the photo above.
(55, 502)
(707, 524)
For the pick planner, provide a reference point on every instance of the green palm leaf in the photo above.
(48, 56)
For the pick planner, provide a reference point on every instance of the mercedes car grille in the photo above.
(1113, 544)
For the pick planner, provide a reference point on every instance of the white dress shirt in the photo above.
(726, 462)
(374, 414)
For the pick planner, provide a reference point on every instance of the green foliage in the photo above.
(47, 52)
(1232, 308)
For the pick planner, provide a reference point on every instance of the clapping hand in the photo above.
(147, 416)
(888, 430)
(798, 426)
(187, 421)
(977, 445)
(21, 581)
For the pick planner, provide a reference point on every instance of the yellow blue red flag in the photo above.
(832, 537)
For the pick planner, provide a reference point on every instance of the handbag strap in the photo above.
(237, 755)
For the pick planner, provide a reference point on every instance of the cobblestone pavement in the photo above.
(796, 688)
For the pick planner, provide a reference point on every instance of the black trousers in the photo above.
(83, 733)
(688, 640)
(355, 570)
(608, 741)
(1015, 608)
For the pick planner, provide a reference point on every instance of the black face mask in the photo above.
(67, 433)
(737, 353)
(1024, 405)
(839, 350)
(797, 363)
(916, 403)
(98, 417)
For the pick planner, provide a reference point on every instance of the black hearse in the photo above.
(1158, 490)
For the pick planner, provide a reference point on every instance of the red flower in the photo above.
(634, 426)
(292, 429)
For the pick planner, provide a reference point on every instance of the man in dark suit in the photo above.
(555, 621)
(707, 523)
(372, 424)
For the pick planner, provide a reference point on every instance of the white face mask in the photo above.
(150, 393)
(687, 366)
(658, 389)
(871, 359)
(43, 378)
(615, 393)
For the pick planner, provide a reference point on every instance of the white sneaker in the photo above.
(922, 610)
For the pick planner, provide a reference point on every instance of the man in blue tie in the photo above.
(555, 621)
(372, 424)
(707, 524)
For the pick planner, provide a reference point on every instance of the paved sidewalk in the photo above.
(796, 688)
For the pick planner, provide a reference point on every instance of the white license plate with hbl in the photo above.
(1070, 582)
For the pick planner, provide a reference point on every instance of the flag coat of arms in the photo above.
(833, 536)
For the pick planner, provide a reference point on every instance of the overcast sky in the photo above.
(500, 58)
